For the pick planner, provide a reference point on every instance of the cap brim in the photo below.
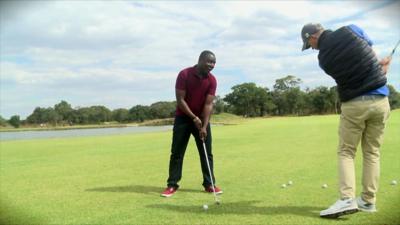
(305, 46)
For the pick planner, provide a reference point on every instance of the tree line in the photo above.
(246, 99)
(63, 114)
(286, 98)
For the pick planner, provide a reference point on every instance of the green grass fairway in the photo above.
(118, 179)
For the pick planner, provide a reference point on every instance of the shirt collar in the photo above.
(198, 75)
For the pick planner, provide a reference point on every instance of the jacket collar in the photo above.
(322, 38)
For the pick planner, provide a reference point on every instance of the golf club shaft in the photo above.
(209, 170)
(394, 49)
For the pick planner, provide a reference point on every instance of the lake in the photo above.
(24, 135)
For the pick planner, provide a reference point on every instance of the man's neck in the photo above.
(198, 73)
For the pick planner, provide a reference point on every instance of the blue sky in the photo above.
(124, 53)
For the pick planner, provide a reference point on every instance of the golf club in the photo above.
(209, 170)
(394, 49)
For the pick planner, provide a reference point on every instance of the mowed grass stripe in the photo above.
(117, 179)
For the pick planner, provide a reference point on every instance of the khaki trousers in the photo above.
(362, 119)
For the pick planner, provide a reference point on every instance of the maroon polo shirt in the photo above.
(196, 89)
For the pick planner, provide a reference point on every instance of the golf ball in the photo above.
(205, 207)
(394, 182)
(324, 186)
(290, 182)
(283, 185)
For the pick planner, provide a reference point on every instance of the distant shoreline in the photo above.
(90, 126)
(218, 119)
(51, 128)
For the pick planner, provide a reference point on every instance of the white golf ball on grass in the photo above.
(290, 182)
(283, 185)
(394, 182)
(205, 207)
(324, 186)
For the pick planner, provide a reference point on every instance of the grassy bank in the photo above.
(118, 179)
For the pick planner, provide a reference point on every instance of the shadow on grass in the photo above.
(246, 208)
(11, 214)
(141, 189)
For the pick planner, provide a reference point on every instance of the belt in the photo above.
(368, 97)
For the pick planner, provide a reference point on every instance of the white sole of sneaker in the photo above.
(338, 214)
(166, 196)
(367, 210)
(217, 193)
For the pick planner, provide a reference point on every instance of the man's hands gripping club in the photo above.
(202, 129)
(385, 62)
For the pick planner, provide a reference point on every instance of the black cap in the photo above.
(308, 30)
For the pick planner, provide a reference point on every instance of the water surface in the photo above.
(24, 135)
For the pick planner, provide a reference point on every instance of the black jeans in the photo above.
(183, 128)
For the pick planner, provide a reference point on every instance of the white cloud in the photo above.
(122, 53)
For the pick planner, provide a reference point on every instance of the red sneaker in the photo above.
(168, 192)
(210, 190)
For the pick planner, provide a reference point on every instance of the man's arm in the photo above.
(207, 110)
(180, 100)
(360, 32)
(385, 62)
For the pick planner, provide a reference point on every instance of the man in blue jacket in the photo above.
(347, 56)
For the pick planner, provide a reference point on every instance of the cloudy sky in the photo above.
(124, 53)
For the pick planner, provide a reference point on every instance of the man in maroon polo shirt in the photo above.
(195, 91)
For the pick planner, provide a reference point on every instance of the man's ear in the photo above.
(314, 36)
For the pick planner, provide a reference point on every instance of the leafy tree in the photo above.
(295, 100)
(286, 83)
(3, 122)
(98, 114)
(81, 115)
(249, 100)
(334, 98)
(36, 116)
(52, 116)
(64, 110)
(15, 121)
(120, 115)
(219, 105)
(44, 115)
(321, 100)
(394, 97)
(287, 96)
(279, 99)
(139, 113)
(269, 106)
(161, 110)
(240, 98)
(263, 98)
